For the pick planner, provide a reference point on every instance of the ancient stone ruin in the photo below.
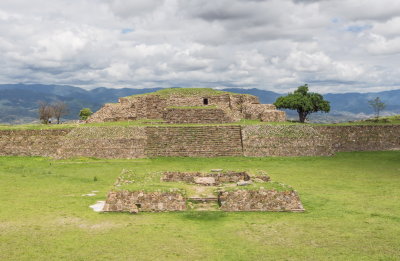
(188, 105)
(195, 191)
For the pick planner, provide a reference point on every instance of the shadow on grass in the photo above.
(204, 215)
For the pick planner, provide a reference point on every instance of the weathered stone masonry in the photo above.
(306, 140)
(198, 141)
(218, 108)
(31, 142)
(260, 200)
(206, 115)
(104, 142)
(126, 201)
(201, 141)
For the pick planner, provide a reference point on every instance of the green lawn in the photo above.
(352, 204)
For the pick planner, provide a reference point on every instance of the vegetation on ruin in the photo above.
(85, 113)
(186, 92)
(351, 201)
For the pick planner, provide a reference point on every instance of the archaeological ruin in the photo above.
(217, 190)
(188, 105)
(194, 123)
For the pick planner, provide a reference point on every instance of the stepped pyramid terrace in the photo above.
(188, 105)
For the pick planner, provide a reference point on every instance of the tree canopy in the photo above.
(303, 102)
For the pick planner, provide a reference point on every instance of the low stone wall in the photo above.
(198, 141)
(190, 177)
(196, 115)
(138, 201)
(31, 142)
(260, 200)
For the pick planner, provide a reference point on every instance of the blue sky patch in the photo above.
(358, 28)
(335, 20)
(127, 30)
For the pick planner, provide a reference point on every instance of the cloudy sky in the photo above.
(333, 45)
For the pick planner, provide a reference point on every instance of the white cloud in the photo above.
(379, 44)
(334, 45)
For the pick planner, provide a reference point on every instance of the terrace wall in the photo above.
(31, 142)
(104, 142)
(306, 140)
(363, 138)
(198, 141)
(196, 115)
(285, 140)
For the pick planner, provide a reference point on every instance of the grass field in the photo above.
(352, 203)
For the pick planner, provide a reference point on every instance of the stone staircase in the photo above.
(194, 141)
(203, 198)
(203, 203)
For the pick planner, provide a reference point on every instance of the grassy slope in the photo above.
(352, 202)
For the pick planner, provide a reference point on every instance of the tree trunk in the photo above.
(58, 120)
(302, 116)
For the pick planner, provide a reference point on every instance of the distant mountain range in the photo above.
(19, 102)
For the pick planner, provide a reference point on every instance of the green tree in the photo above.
(303, 102)
(85, 113)
(377, 105)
